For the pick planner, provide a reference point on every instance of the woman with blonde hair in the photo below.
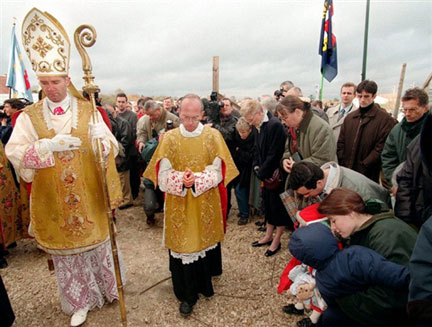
(269, 147)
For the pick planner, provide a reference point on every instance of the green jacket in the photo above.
(315, 141)
(394, 152)
(348, 178)
(381, 306)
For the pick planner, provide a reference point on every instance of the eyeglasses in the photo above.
(250, 120)
(405, 110)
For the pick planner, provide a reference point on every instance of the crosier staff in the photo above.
(85, 36)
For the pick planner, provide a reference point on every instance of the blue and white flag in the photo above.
(17, 78)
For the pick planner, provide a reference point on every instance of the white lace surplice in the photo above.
(85, 279)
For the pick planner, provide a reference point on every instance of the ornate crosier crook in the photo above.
(85, 37)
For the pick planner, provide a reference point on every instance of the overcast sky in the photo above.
(166, 47)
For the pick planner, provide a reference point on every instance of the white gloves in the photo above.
(61, 142)
(97, 131)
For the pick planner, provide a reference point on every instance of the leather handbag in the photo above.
(275, 181)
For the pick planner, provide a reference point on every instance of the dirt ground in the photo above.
(245, 294)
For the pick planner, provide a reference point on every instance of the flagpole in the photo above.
(365, 44)
(13, 28)
(322, 85)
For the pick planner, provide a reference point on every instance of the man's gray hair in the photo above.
(288, 84)
(295, 91)
(269, 103)
(151, 105)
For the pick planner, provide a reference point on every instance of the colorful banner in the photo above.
(17, 78)
(327, 49)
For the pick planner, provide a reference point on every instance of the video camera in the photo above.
(169, 125)
(278, 94)
(212, 111)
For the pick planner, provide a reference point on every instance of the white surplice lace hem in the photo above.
(188, 258)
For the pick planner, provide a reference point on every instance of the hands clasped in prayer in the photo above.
(188, 178)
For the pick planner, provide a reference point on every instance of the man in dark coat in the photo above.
(414, 194)
(415, 106)
(226, 126)
(363, 134)
(420, 288)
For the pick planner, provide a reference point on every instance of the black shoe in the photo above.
(258, 244)
(260, 223)
(243, 221)
(3, 263)
(125, 206)
(151, 220)
(292, 310)
(185, 309)
(306, 322)
(262, 229)
(269, 252)
(12, 245)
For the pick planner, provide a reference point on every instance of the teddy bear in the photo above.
(307, 295)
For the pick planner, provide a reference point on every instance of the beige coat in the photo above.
(333, 114)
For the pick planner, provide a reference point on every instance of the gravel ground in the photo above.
(245, 294)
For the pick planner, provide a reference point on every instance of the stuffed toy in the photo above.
(307, 295)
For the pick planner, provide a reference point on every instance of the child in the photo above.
(343, 272)
(243, 156)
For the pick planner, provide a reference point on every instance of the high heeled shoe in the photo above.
(258, 244)
(269, 252)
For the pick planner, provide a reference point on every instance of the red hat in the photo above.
(310, 215)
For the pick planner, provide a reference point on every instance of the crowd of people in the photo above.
(352, 183)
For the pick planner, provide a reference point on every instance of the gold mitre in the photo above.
(46, 44)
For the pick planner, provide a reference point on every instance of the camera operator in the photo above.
(155, 121)
(226, 124)
(11, 106)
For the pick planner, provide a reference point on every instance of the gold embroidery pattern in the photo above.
(72, 200)
(41, 47)
(68, 177)
(44, 45)
(77, 226)
(192, 223)
(66, 156)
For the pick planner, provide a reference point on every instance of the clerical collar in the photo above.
(194, 133)
(65, 104)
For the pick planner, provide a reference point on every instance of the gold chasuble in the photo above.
(68, 210)
(14, 215)
(192, 224)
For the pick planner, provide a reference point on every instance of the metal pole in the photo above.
(322, 85)
(398, 97)
(365, 43)
(85, 36)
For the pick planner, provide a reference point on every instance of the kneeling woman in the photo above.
(382, 232)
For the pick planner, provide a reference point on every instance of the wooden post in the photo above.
(215, 74)
(427, 82)
(399, 93)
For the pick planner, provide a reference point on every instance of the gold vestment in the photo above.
(14, 215)
(192, 224)
(68, 208)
